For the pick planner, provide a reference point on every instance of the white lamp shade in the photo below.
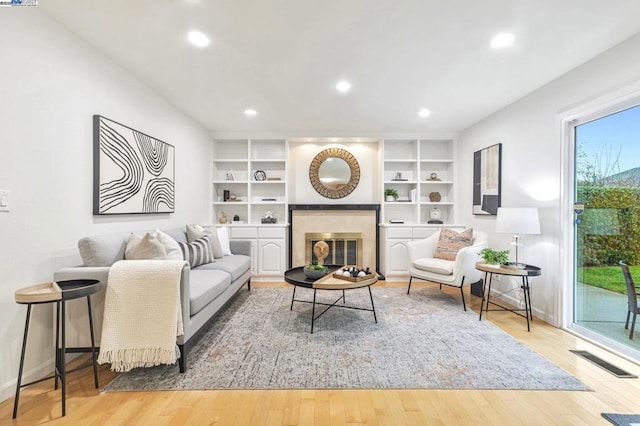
(518, 220)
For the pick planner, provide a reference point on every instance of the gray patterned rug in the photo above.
(421, 340)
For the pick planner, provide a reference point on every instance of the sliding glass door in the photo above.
(606, 225)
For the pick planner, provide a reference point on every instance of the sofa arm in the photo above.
(240, 247)
(100, 273)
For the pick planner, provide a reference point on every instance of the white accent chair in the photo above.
(454, 273)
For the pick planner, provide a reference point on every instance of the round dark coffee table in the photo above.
(297, 278)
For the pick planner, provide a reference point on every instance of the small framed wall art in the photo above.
(487, 180)
(133, 172)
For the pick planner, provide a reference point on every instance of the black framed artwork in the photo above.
(133, 173)
(487, 180)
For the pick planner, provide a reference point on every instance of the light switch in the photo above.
(4, 200)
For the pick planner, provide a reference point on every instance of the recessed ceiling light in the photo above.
(250, 112)
(502, 40)
(343, 86)
(424, 113)
(198, 39)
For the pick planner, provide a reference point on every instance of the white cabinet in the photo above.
(395, 255)
(271, 258)
(268, 249)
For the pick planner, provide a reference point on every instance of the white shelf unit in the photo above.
(241, 159)
(408, 165)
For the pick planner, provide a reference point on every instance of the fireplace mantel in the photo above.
(309, 208)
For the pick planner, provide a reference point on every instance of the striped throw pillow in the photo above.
(451, 242)
(197, 252)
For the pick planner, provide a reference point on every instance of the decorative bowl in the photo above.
(314, 274)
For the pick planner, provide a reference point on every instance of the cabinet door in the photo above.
(396, 258)
(271, 257)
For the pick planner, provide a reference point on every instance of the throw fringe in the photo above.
(123, 360)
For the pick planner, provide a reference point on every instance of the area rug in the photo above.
(623, 419)
(421, 340)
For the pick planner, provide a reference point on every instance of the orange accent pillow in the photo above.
(451, 242)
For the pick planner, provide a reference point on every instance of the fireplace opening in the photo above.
(345, 248)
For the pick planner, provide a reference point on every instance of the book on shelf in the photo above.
(396, 221)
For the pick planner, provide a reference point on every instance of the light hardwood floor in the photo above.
(40, 404)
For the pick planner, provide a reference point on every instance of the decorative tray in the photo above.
(353, 279)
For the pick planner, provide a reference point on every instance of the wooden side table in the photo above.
(523, 273)
(58, 293)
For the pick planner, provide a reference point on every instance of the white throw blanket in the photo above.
(142, 314)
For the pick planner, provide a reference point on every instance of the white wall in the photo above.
(51, 84)
(532, 163)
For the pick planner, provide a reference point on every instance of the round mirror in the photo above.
(334, 173)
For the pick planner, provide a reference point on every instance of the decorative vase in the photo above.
(390, 198)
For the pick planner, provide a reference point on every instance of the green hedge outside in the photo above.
(610, 228)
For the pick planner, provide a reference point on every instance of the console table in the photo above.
(508, 270)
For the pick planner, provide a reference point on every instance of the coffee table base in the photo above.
(314, 317)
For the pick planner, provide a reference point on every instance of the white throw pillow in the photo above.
(223, 236)
(146, 247)
(170, 245)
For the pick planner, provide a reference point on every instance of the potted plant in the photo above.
(391, 194)
(494, 257)
(315, 271)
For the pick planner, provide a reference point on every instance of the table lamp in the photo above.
(516, 221)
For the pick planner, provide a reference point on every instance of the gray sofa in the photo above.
(203, 289)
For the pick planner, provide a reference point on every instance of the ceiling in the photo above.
(283, 58)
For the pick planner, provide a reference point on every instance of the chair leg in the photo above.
(626, 324)
(464, 305)
(410, 278)
(633, 324)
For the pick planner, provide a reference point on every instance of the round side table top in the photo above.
(509, 269)
(54, 291)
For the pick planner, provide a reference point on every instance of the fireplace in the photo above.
(361, 219)
(345, 248)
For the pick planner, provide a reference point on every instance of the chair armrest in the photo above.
(465, 263)
(425, 247)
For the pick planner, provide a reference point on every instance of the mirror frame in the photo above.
(343, 154)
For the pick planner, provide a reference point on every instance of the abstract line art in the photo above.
(133, 172)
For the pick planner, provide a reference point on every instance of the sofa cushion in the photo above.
(223, 236)
(177, 234)
(103, 250)
(438, 266)
(144, 247)
(196, 231)
(451, 242)
(205, 286)
(235, 265)
(170, 245)
(197, 252)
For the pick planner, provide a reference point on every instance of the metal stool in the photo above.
(58, 293)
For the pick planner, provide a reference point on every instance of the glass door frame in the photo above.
(567, 122)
